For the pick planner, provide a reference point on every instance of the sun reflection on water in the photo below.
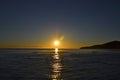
(56, 66)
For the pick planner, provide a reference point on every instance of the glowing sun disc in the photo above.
(56, 42)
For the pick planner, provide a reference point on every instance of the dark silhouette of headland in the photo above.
(108, 45)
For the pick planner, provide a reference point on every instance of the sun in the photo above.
(56, 42)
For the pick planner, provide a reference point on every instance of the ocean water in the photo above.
(59, 64)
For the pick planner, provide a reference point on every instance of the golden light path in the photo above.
(56, 65)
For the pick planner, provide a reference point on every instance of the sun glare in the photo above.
(56, 42)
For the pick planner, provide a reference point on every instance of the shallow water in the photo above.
(63, 65)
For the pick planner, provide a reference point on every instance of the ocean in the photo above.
(82, 64)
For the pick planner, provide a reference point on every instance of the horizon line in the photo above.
(38, 48)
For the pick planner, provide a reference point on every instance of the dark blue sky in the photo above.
(35, 23)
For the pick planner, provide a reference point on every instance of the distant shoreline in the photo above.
(108, 45)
